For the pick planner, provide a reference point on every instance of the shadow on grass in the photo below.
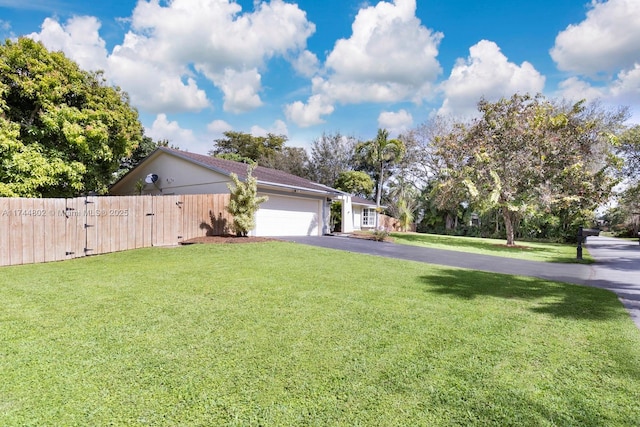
(487, 247)
(553, 298)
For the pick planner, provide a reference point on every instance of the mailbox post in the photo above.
(583, 233)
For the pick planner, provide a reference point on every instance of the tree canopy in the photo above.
(63, 131)
(528, 156)
(379, 154)
(331, 154)
(244, 145)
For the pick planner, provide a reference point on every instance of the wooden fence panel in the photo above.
(42, 230)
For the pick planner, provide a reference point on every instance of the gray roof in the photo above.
(356, 200)
(265, 176)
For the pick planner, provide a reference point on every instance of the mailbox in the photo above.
(583, 233)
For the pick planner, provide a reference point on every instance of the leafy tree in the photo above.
(63, 131)
(257, 148)
(380, 153)
(244, 202)
(293, 160)
(403, 199)
(527, 155)
(355, 182)
(330, 155)
(629, 148)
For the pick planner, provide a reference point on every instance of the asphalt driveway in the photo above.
(617, 266)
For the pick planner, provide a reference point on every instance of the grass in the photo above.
(532, 251)
(278, 334)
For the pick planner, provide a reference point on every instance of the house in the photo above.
(357, 213)
(296, 206)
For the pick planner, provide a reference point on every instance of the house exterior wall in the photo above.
(175, 176)
(348, 222)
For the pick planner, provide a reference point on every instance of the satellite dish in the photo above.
(151, 178)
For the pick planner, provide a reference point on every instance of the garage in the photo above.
(289, 216)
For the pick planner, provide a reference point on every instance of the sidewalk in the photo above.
(617, 267)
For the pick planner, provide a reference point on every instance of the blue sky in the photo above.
(196, 68)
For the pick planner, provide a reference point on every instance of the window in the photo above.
(368, 217)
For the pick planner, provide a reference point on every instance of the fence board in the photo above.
(60, 231)
(39, 216)
(5, 234)
(16, 242)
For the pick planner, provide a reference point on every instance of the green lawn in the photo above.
(532, 251)
(279, 334)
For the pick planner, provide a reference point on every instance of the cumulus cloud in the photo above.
(311, 113)
(170, 46)
(395, 122)
(575, 89)
(375, 64)
(626, 88)
(278, 128)
(240, 90)
(219, 127)
(306, 64)
(79, 39)
(486, 73)
(225, 45)
(163, 129)
(607, 40)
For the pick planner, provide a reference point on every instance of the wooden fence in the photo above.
(42, 230)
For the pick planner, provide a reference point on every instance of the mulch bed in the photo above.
(217, 240)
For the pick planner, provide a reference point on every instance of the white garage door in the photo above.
(289, 216)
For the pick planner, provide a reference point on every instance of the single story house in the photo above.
(296, 206)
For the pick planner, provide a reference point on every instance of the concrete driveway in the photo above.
(617, 266)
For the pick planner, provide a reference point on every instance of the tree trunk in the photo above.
(508, 225)
(379, 194)
(449, 221)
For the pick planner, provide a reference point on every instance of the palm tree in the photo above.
(380, 153)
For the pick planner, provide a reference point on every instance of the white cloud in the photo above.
(163, 129)
(240, 90)
(395, 122)
(576, 89)
(79, 39)
(219, 127)
(376, 64)
(278, 128)
(306, 64)
(486, 73)
(309, 114)
(626, 89)
(227, 46)
(171, 44)
(606, 41)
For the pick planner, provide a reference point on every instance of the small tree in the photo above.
(244, 202)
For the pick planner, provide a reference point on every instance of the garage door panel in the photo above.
(289, 216)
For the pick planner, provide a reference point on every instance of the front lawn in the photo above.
(280, 334)
(532, 251)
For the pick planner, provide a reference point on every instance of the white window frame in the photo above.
(368, 217)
